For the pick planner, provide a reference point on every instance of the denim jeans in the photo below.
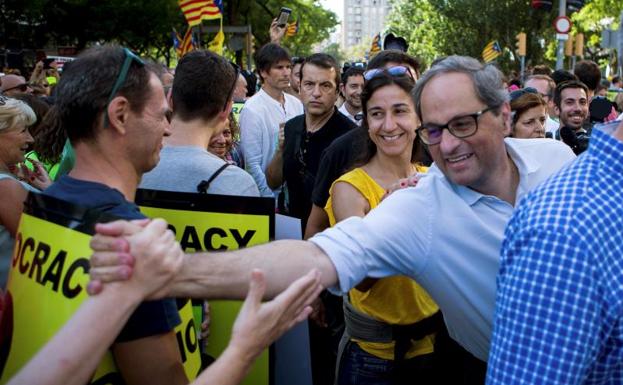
(359, 367)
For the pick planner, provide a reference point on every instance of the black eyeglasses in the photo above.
(233, 86)
(22, 87)
(461, 127)
(392, 71)
(123, 74)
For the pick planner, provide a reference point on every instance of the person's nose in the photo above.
(449, 142)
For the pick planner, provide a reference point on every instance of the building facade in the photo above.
(363, 19)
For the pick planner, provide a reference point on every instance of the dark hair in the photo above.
(83, 91)
(351, 71)
(251, 82)
(560, 76)
(51, 139)
(370, 87)
(524, 103)
(202, 81)
(563, 86)
(542, 69)
(394, 56)
(298, 60)
(269, 55)
(325, 61)
(615, 79)
(588, 73)
(39, 106)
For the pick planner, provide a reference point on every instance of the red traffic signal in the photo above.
(545, 5)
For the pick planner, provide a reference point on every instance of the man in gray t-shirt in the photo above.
(200, 111)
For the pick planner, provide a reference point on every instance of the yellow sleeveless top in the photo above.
(396, 300)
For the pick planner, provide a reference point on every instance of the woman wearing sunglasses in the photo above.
(393, 306)
(15, 118)
(529, 114)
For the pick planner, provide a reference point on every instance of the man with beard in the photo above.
(351, 87)
(572, 106)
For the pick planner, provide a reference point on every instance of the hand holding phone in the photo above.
(284, 15)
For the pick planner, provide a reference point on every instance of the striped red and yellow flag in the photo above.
(292, 28)
(187, 44)
(197, 10)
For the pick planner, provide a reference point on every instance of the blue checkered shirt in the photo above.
(559, 306)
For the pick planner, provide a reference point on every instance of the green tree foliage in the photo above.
(145, 25)
(593, 18)
(437, 28)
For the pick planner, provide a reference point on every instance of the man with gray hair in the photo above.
(446, 233)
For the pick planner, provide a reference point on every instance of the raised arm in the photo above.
(222, 275)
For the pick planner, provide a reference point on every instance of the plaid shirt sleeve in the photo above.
(546, 328)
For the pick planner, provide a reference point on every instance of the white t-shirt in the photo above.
(259, 132)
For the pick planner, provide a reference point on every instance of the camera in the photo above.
(577, 140)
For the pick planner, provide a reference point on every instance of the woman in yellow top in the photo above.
(381, 304)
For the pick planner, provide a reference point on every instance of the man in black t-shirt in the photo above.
(114, 110)
(306, 136)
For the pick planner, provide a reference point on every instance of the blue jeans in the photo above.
(359, 367)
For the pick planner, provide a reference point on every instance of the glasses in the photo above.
(233, 86)
(392, 71)
(460, 127)
(123, 74)
(22, 87)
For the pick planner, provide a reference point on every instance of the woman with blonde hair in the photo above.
(15, 119)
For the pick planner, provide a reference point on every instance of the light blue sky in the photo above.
(337, 6)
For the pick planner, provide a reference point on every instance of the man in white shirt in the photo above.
(265, 111)
(446, 233)
(351, 87)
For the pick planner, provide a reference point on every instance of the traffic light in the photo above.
(574, 5)
(521, 44)
(545, 5)
(569, 47)
(579, 44)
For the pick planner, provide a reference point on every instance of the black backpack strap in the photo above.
(204, 185)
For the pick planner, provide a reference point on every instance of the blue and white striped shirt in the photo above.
(559, 306)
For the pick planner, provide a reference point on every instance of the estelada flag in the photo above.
(376, 45)
(491, 51)
(197, 10)
(292, 29)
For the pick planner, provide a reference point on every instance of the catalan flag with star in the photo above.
(491, 51)
(196, 11)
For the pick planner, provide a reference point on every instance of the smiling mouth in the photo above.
(391, 138)
(457, 159)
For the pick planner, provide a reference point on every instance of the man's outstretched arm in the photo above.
(222, 275)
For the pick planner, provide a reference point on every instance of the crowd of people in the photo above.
(466, 228)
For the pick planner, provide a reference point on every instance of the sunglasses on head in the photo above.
(123, 74)
(392, 71)
(22, 87)
(521, 92)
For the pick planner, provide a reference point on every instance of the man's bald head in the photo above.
(12, 85)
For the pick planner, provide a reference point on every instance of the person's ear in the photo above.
(118, 112)
(507, 115)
